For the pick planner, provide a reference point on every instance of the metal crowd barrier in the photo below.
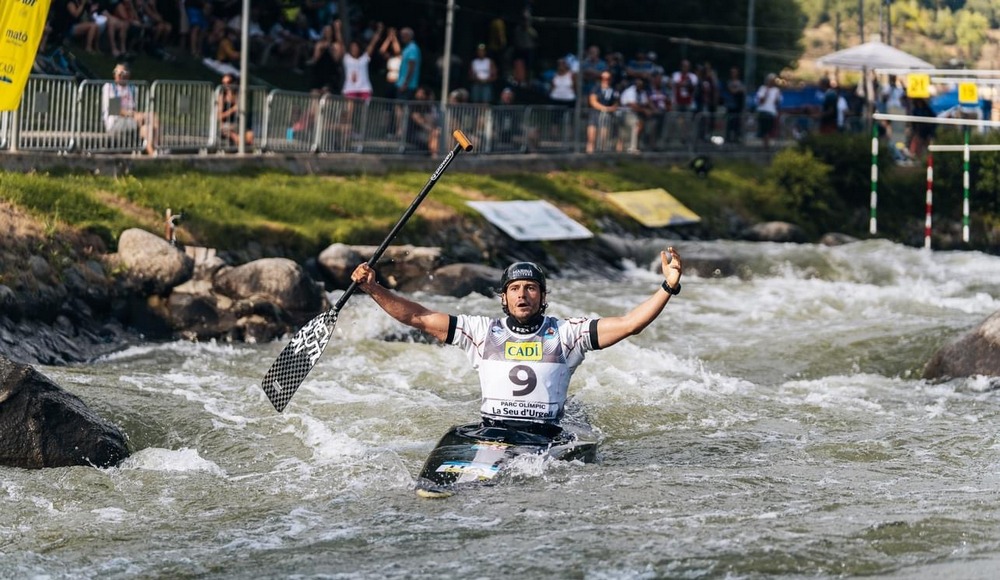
(551, 127)
(290, 122)
(223, 137)
(508, 130)
(44, 120)
(58, 114)
(5, 129)
(383, 126)
(183, 110)
(98, 103)
(474, 120)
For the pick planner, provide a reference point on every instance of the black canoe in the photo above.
(478, 452)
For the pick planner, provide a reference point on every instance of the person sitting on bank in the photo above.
(119, 109)
(513, 383)
(228, 108)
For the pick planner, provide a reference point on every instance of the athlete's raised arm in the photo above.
(613, 329)
(402, 309)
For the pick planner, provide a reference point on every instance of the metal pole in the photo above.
(580, 32)
(244, 57)
(888, 22)
(449, 26)
(750, 58)
(861, 21)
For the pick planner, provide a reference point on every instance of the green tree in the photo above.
(988, 8)
(971, 32)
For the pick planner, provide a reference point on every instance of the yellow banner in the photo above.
(22, 23)
(654, 208)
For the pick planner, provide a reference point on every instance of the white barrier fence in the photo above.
(59, 114)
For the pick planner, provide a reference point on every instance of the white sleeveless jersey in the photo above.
(524, 377)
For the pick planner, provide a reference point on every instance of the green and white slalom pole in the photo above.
(965, 187)
(872, 225)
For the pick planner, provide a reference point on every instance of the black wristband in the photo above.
(672, 291)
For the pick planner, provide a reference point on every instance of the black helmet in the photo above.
(522, 271)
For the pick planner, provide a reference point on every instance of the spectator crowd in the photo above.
(631, 101)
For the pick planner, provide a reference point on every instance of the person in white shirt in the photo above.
(482, 76)
(119, 109)
(768, 103)
(357, 83)
(525, 359)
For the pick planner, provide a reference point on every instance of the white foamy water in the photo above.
(771, 423)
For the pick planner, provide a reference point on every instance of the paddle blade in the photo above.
(297, 359)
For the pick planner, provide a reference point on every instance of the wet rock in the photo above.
(399, 267)
(975, 353)
(277, 282)
(43, 425)
(782, 232)
(463, 279)
(836, 239)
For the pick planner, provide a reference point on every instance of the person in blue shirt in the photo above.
(409, 68)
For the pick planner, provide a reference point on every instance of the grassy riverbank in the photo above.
(253, 212)
(298, 216)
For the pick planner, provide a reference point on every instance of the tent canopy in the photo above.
(873, 55)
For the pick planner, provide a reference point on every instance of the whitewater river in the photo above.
(771, 423)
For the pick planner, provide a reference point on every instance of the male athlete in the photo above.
(526, 359)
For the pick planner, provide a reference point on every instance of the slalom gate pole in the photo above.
(929, 202)
(965, 187)
(872, 226)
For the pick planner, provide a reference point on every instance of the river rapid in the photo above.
(769, 424)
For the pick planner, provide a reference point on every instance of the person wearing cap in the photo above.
(525, 359)
(482, 76)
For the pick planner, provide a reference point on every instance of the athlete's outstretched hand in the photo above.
(670, 260)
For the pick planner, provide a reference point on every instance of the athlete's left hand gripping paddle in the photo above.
(301, 353)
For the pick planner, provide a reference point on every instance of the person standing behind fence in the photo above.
(768, 102)
(409, 66)
(482, 76)
(635, 100)
(828, 107)
(591, 68)
(736, 99)
(659, 103)
(357, 84)
(603, 100)
(119, 110)
(392, 54)
(684, 83)
(707, 100)
(562, 89)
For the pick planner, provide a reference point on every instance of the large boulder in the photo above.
(42, 425)
(975, 353)
(460, 280)
(404, 267)
(153, 265)
(272, 283)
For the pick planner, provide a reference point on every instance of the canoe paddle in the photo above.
(301, 353)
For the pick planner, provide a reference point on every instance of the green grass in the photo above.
(298, 216)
